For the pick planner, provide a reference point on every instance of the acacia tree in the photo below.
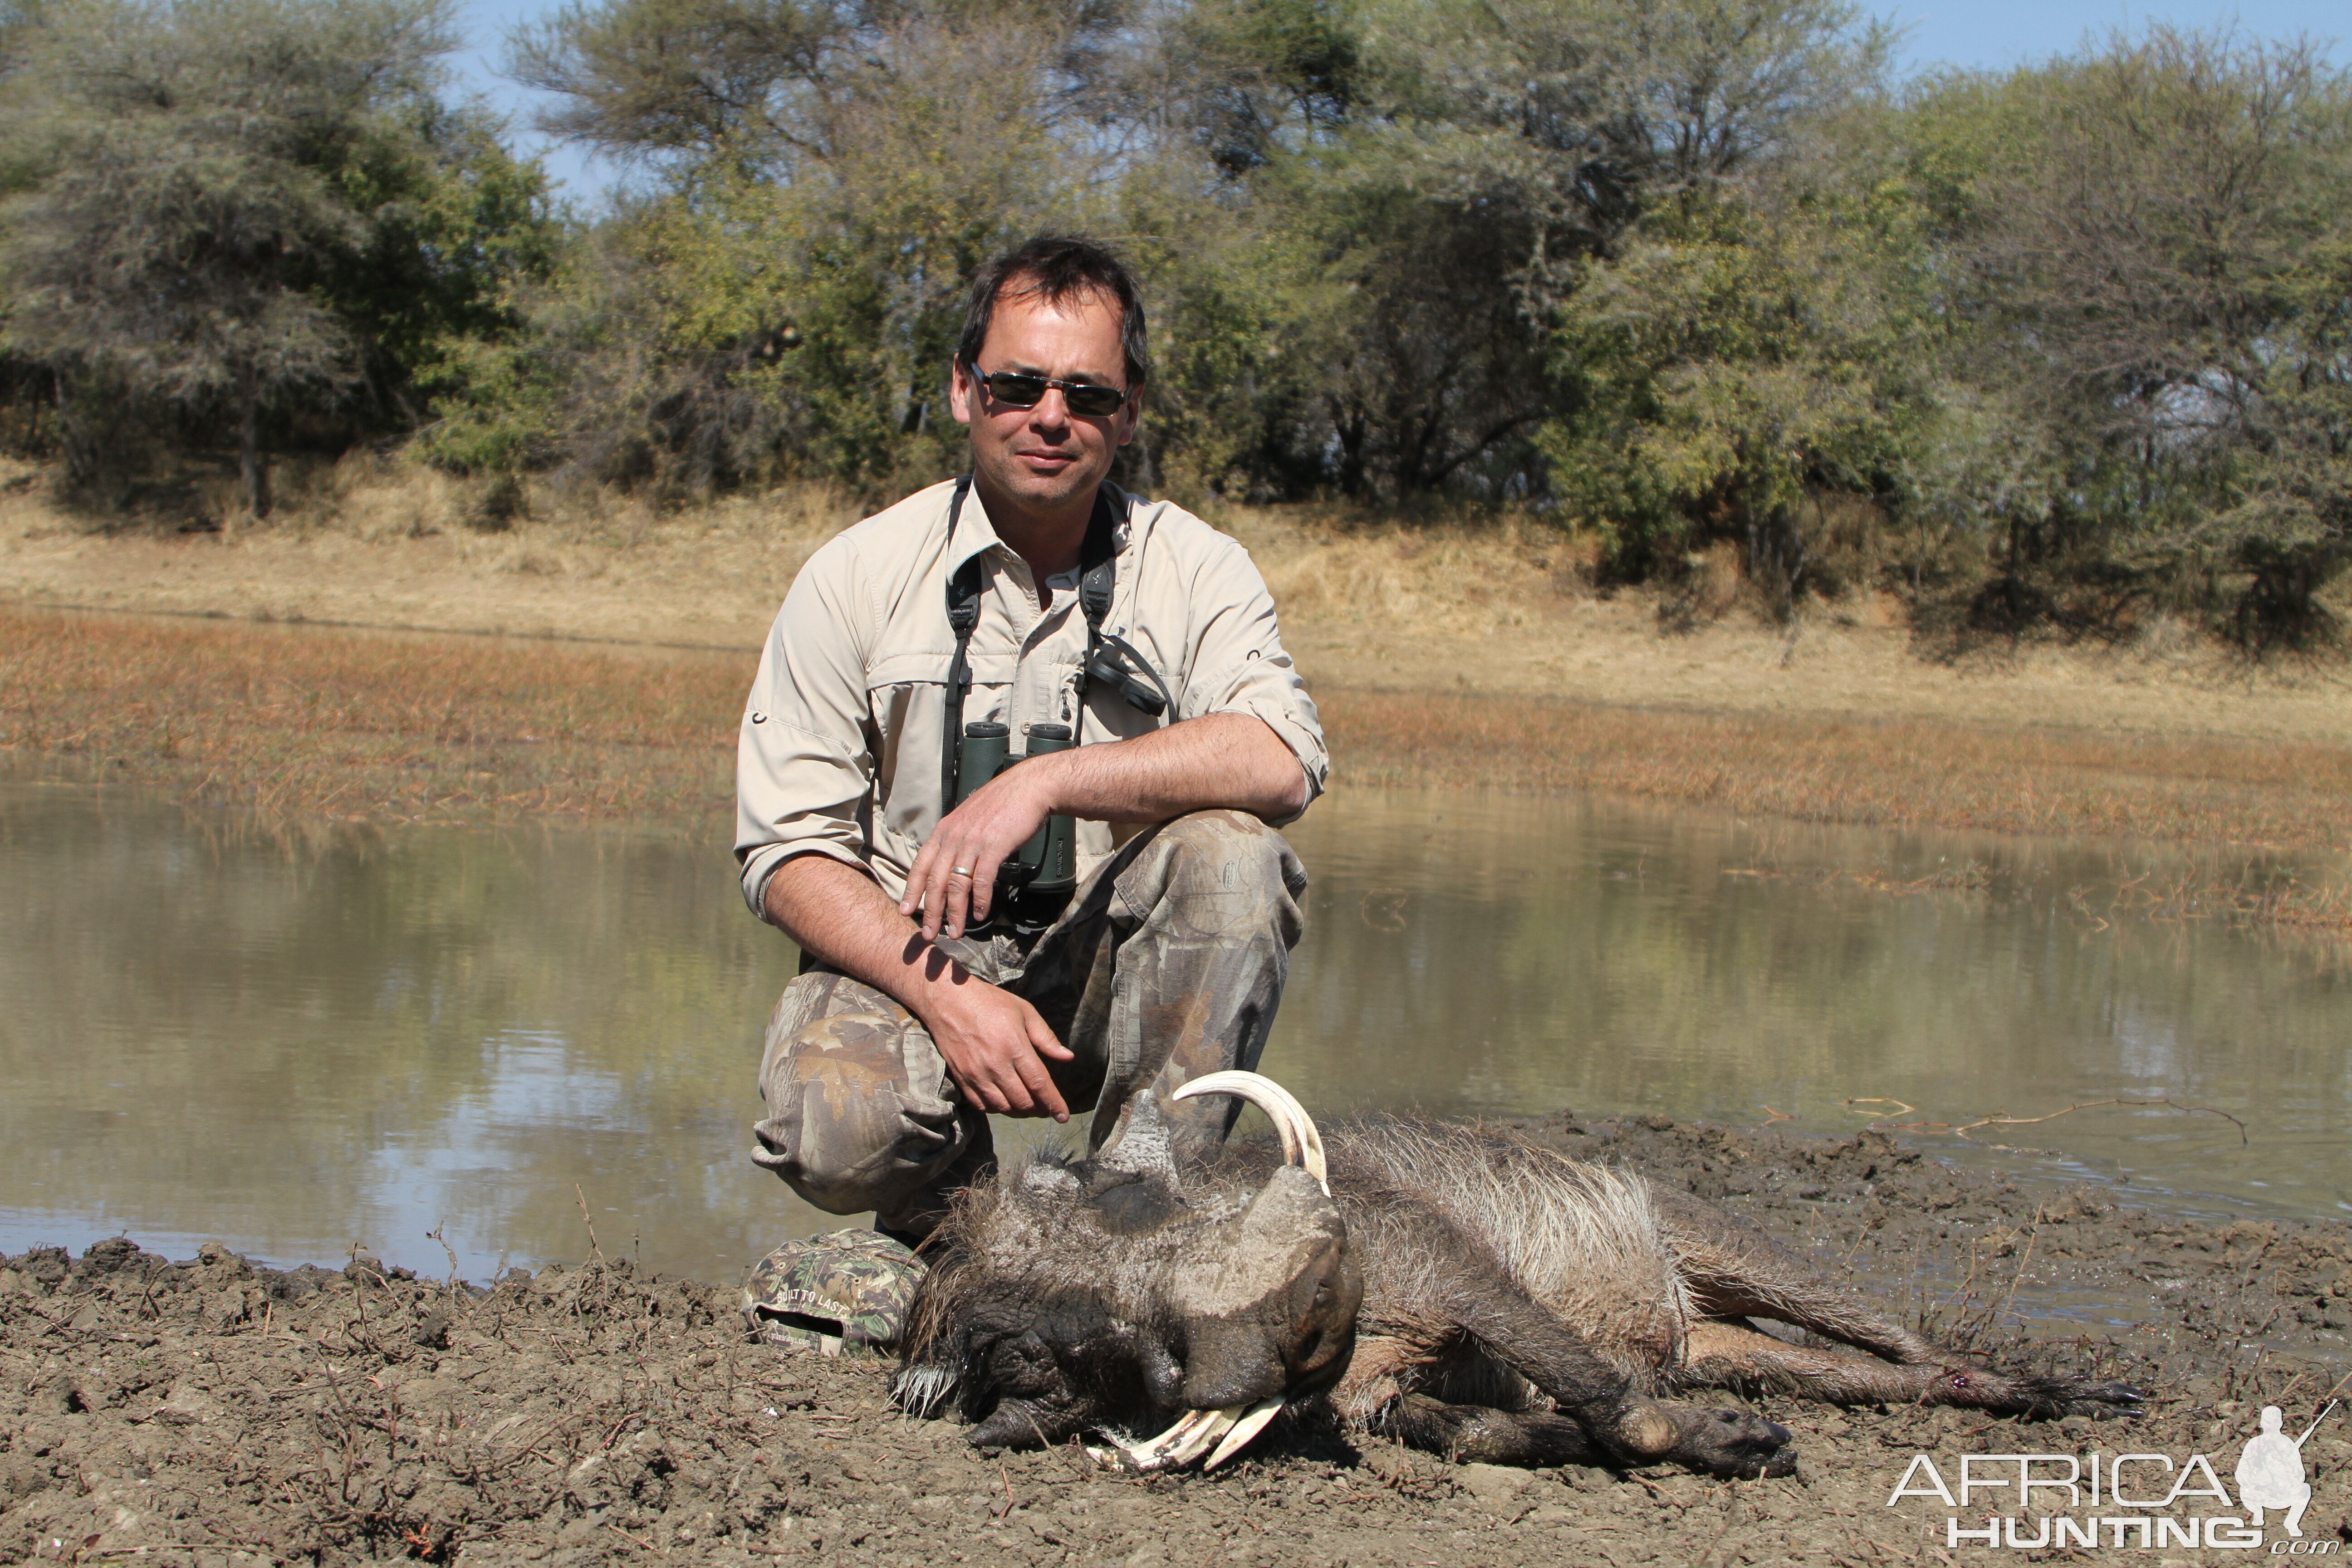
(232, 211)
(824, 179)
(1727, 368)
(1358, 215)
(1417, 188)
(2153, 239)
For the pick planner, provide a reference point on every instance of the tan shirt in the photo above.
(839, 750)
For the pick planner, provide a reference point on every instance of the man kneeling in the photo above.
(964, 949)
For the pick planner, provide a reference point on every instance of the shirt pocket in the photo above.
(906, 704)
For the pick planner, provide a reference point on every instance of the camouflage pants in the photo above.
(1169, 963)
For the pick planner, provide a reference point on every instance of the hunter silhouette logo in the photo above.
(2270, 1472)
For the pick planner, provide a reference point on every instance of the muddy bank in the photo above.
(208, 1412)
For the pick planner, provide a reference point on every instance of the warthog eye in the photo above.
(1025, 1365)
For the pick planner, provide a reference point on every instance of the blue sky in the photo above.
(1977, 33)
(1994, 33)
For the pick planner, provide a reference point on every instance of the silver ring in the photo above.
(961, 871)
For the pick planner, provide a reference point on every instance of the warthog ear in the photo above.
(1137, 1147)
(1132, 1183)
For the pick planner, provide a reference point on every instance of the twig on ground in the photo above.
(590, 1224)
(2243, 1139)
(2341, 1382)
(435, 1235)
(1963, 1332)
(2027, 1257)
(634, 1540)
(1961, 1130)
(1005, 1477)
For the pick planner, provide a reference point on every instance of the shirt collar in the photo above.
(975, 531)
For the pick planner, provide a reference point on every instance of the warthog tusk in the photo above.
(1301, 1144)
(1214, 1424)
(1248, 1427)
(1194, 1434)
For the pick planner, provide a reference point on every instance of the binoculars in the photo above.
(1035, 884)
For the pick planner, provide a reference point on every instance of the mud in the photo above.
(208, 1412)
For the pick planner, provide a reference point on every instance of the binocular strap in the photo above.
(1097, 561)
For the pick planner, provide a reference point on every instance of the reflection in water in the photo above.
(295, 1047)
(1504, 955)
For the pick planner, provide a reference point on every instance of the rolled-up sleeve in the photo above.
(803, 761)
(1239, 665)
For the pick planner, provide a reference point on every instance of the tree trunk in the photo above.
(251, 467)
(70, 437)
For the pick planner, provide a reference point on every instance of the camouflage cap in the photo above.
(852, 1287)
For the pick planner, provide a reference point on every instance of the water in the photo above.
(295, 1046)
(1509, 955)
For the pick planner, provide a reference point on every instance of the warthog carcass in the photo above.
(1458, 1287)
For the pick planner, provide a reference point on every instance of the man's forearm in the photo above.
(1233, 761)
(994, 1044)
(840, 917)
(1230, 760)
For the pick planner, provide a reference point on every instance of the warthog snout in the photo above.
(1267, 1308)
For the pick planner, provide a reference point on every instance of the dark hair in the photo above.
(1056, 267)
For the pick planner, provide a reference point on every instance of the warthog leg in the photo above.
(1521, 1333)
(1733, 1270)
(1477, 1434)
(1732, 1355)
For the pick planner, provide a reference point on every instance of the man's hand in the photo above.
(953, 880)
(992, 1041)
(1230, 760)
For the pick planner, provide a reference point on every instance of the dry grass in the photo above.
(366, 506)
(2199, 793)
(569, 527)
(375, 499)
(379, 727)
(405, 726)
(1442, 577)
(334, 725)
(2254, 897)
(1492, 603)
(2205, 753)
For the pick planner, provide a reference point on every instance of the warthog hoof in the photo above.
(2078, 1396)
(2036, 1394)
(1732, 1444)
(2105, 1398)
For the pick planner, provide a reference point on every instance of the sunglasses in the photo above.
(1016, 391)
